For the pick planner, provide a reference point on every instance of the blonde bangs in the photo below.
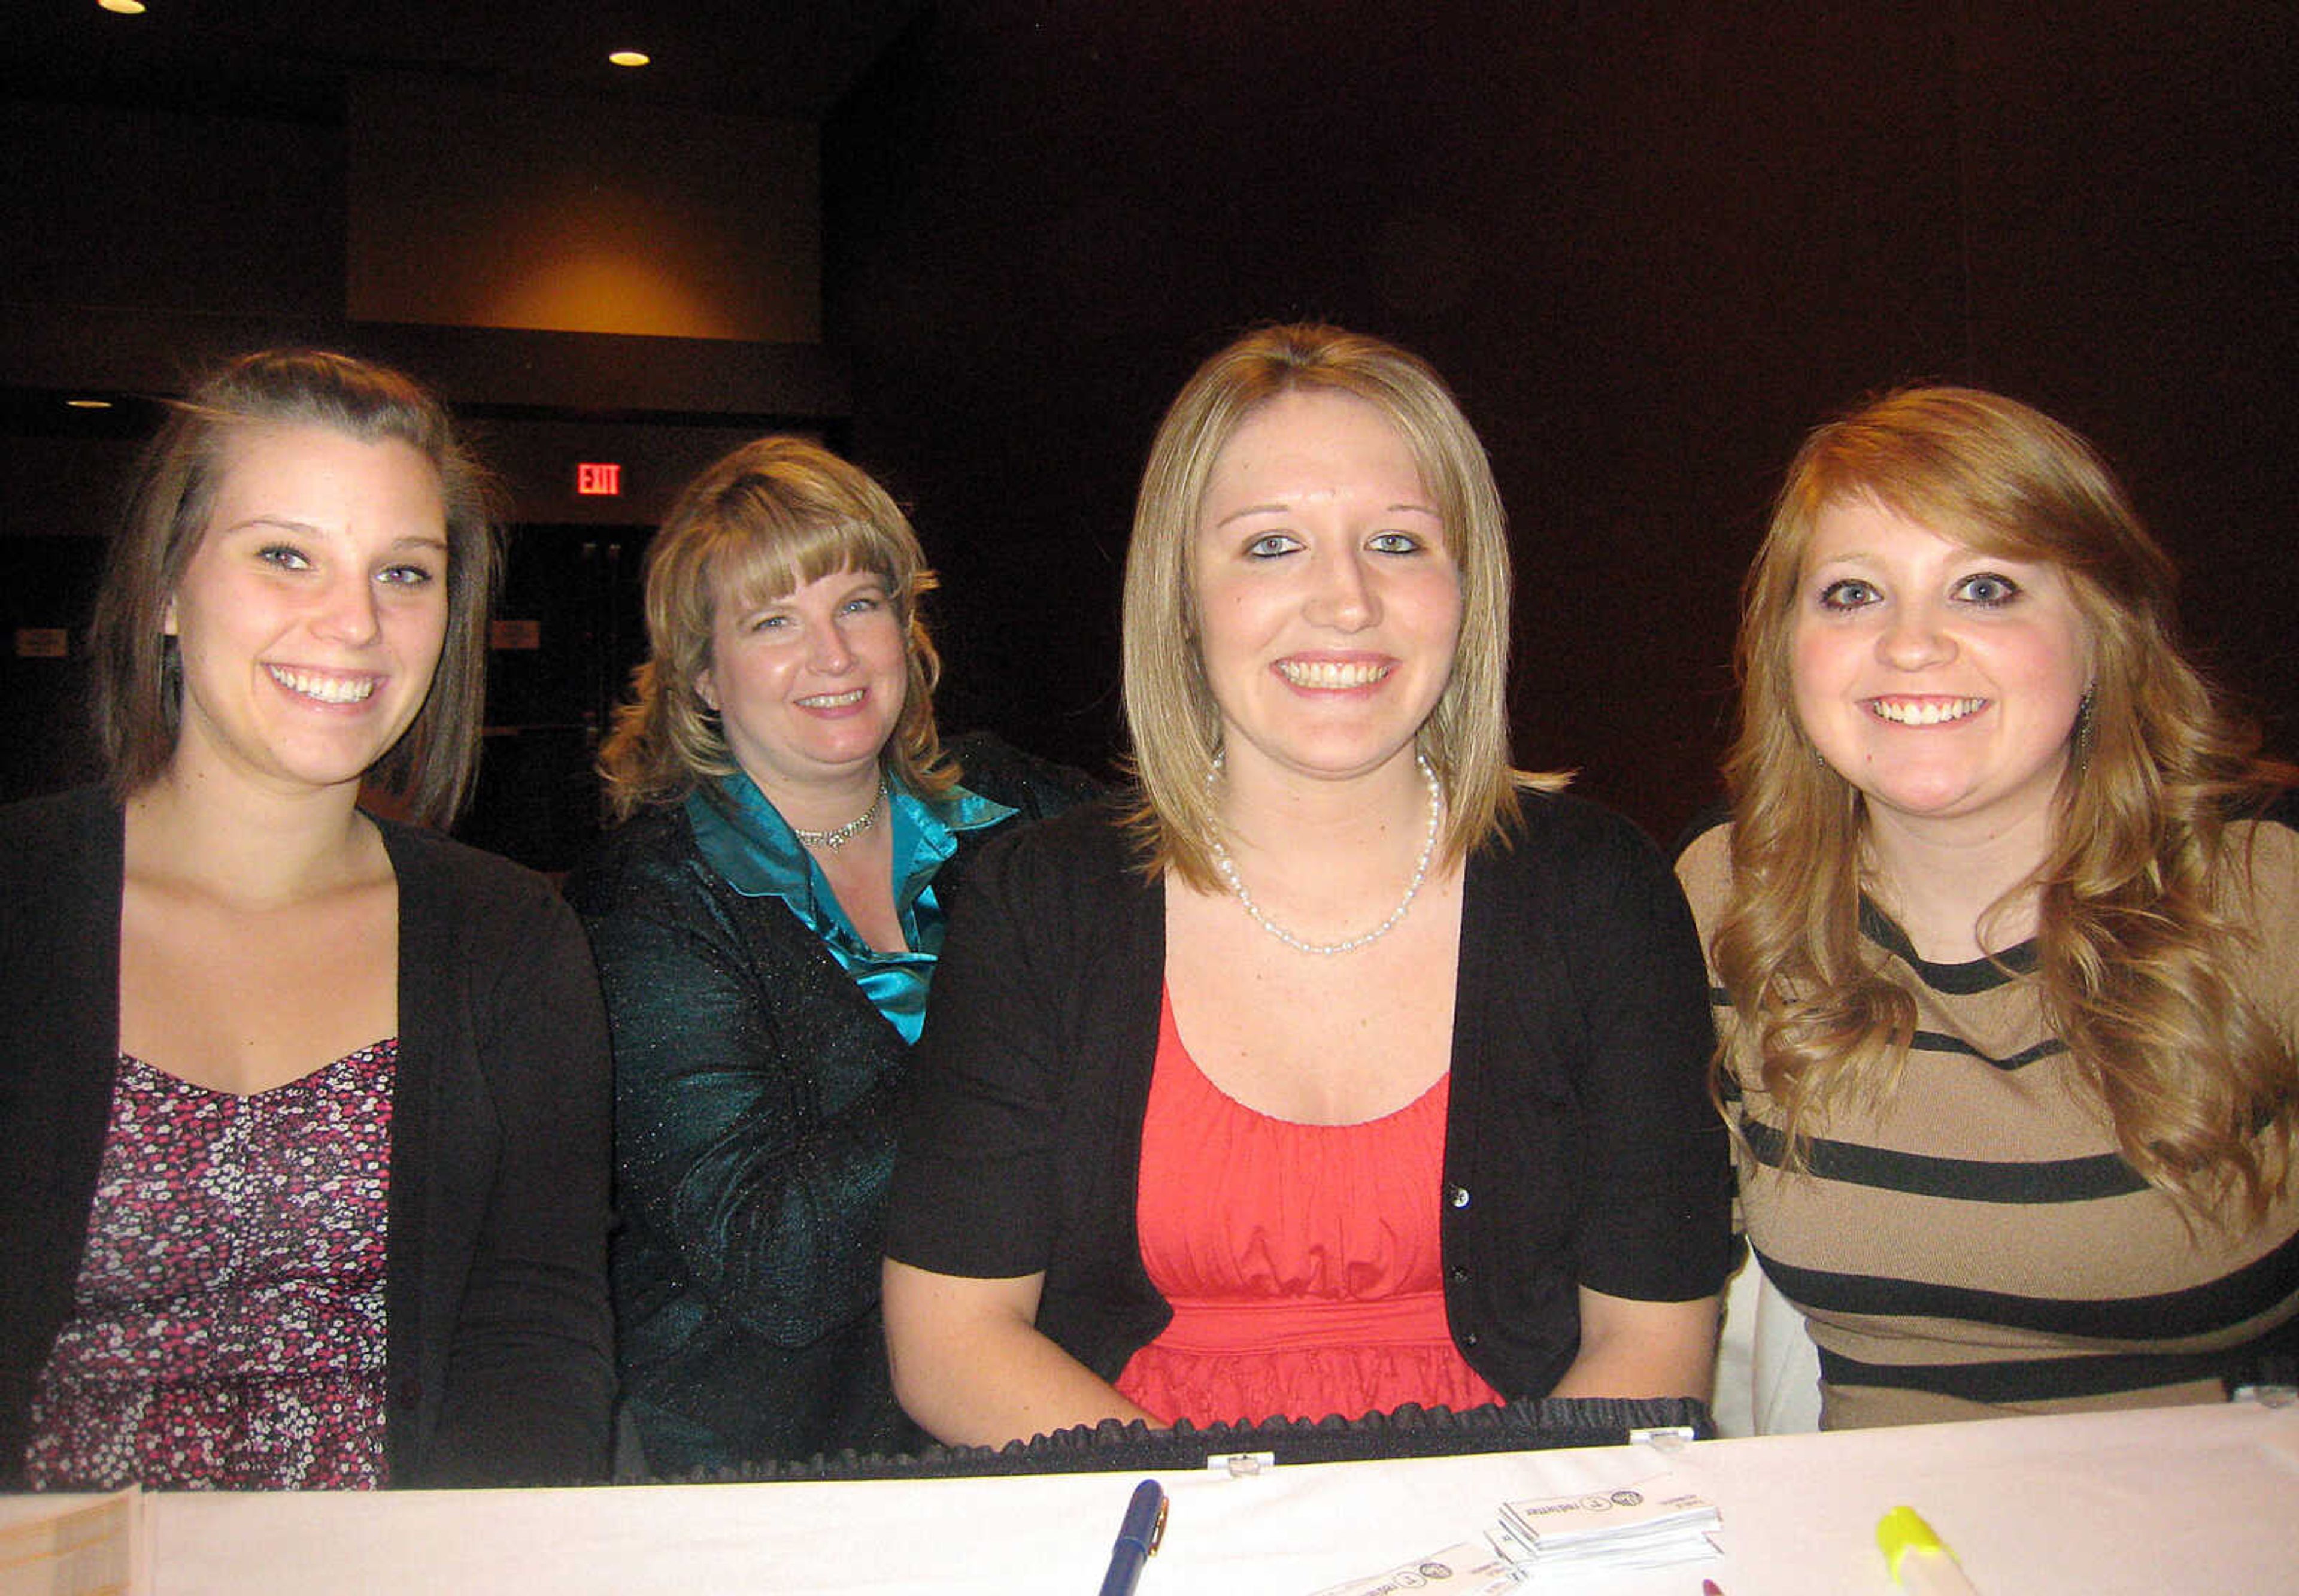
(762, 522)
(747, 570)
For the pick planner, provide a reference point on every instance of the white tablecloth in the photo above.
(2203, 1500)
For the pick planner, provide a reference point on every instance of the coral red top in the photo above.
(1302, 1262)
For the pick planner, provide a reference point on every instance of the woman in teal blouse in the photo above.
(766, 921)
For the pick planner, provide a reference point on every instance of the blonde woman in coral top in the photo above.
(1345, 1067)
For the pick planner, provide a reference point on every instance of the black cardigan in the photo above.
(1580, 1149)
(498, 1362)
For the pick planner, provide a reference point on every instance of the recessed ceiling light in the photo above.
(94, 404)
(126, 8)
(623, 58)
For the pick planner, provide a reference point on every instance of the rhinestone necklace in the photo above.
(840, 836)
(1228, 869)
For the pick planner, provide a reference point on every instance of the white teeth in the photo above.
(327, 689)
(1331, 673)
(833, 700)
(1929, 711)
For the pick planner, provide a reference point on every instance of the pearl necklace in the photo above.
(839, 836)
(1228, 869)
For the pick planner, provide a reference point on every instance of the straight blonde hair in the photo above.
(1169, 706)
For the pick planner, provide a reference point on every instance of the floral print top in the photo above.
(228, 1326)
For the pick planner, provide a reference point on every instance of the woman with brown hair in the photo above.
(303, 1112)
(2007, 947)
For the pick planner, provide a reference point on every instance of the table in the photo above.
(2203, 1499)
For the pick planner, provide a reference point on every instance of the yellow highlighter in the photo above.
(1919, 1561)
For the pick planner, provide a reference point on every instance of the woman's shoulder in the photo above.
(60, 862)
(433, 867)
(2262, 901)
(1704, 860)
(642, 857)
(2268, 848)
(1039, 788)
(1088, 851)
(57, 845)
(54, 818)
(1709, 831)
(1582, 875)
(1565, 831)
(2275, 825)
(1092, 835)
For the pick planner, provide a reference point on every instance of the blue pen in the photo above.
(1137, 1539)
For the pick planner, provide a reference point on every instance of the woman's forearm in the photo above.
(971, 1366)
(1632, 1349)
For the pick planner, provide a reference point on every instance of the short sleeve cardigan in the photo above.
(1581, 1148)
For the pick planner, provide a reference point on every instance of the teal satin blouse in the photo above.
(748, 842)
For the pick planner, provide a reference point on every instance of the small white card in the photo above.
(1623, 1528)
(1462, 1569)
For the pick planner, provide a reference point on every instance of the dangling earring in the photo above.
(2083, 732)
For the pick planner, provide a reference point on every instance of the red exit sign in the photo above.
(598, 479)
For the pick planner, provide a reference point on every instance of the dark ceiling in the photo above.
(291, 58)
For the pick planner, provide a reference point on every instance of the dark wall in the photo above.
(1650, 244)
(47, 589)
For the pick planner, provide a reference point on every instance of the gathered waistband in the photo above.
(1276, 1324)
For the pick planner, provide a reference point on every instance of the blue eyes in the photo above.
(1274, 545)
(1984, 590)
(777, 620)
(287, 557)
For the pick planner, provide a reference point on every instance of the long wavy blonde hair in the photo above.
(2136, 950)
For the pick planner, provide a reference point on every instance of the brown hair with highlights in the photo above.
(138, 682)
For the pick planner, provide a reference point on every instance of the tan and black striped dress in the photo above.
(1974, 1243)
